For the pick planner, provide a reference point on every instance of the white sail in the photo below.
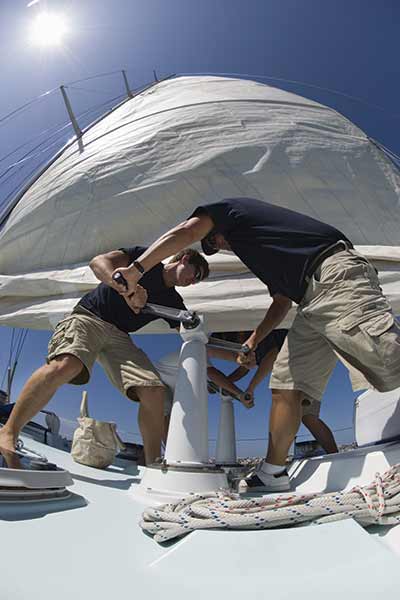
(189, 141)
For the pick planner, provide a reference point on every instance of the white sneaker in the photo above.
(263, 482)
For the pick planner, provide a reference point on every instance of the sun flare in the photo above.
(48, 29)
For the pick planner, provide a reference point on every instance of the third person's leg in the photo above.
(151, 420)
(321, 432)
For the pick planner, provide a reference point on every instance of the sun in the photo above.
(48, 29)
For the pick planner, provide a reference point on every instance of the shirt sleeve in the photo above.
(133, 252)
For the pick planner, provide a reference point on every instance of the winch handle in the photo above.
(120, 279)
(245, 349)
(189, 319)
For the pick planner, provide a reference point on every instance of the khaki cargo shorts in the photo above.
(89, 338)
(342, 315)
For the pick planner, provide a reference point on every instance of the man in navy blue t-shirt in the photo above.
(98, 329)
(341, 310)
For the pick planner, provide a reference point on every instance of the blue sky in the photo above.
(349, 46)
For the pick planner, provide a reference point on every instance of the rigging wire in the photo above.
(31, 173)
(93, 77)
(395, 157)
(29, 156)
(81, 89)
(17, 342)
(26, 105)
(59, 125)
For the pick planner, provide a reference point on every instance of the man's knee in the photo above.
(64, 368)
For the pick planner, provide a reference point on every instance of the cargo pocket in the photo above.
(374, 334)
(378, 325)
(384, 334)
(59, 336)
(368, 313)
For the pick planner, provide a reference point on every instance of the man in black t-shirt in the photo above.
(98, 329)
(341, 310)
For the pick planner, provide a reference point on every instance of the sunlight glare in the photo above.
(48, 29)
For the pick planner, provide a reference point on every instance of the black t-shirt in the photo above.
(110, 306)
(275, 243)
(273, 340)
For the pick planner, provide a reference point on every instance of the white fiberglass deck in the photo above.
(92, 547)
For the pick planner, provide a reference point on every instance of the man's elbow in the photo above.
(284, 303)
(195, 229)
(93, 264)
(188, 233)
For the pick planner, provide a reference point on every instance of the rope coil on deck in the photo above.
(376, 503)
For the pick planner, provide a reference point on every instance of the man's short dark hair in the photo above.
(195, 259)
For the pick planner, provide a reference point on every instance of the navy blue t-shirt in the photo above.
(109, 305)
(273, 340)
(275, 243)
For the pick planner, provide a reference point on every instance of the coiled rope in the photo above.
(376, 503)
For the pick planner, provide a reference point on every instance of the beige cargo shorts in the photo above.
(342, 315)
(89, 338)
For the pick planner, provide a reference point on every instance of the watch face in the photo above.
(23, 462)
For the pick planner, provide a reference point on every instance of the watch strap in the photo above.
(138, 266)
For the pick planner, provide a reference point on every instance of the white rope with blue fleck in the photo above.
(376, 503)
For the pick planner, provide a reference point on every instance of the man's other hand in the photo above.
(137, 300)
(247, 399)
(247, 360)
(131, 277)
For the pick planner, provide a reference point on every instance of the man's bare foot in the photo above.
(11, 459)
(7, 440)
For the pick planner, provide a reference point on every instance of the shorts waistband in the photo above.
(339, 246)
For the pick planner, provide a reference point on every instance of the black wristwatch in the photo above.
(138, 266)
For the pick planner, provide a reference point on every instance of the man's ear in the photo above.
(185, 259)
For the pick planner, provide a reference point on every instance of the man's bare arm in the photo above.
(226, 354)
(223, 382)
(183, 235)
(238, 373)
(275, 314)
(264, 369)
(104, 265)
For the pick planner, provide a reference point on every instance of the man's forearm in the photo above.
(264, 369)
(222, 381)
(238, 373)
(221, 353)
(274, 316)
(173, 241)
(168, 244)
(103, 268)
